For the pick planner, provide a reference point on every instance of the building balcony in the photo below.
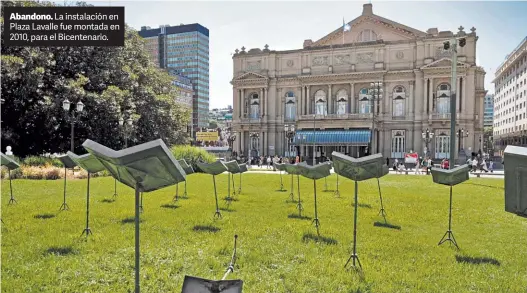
(352, 116)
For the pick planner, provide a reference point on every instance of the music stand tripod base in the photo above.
(64, 207)
(87, 231)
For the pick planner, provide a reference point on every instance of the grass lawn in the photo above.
(42, 250)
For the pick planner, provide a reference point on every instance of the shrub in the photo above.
(15, 174)
(36, 161)
(51, 173)
(56, 163)
(192, 155)
(30, 172)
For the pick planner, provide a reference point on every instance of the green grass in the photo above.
(42, 250)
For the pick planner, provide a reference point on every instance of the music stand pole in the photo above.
(240, 188)
(233, 186)
(137, 215)
(141, 203)
(382, 212)
(325, 184)
(299, 205)
(315, 220)
(185, 194)
(64, 205)
(87, 230)
(281, 182)
(449, 234)
(354, 256)
(115, 188)
(292, 189)
(176, 198)
(12, 200)
(337, 192)
(217, 213)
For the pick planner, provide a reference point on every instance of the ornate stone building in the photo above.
(324, 91)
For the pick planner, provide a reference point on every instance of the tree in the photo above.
(110, 81)
(213, 124)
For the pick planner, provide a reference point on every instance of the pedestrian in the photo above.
(297, 159)
(475, 164)
(418, 166)
(268, 162)
(395, 164)
(491, 166)
(484, 166)
(387, 161)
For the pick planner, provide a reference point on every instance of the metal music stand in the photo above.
(357, 170)
(243, 169)
(280, 167)
(450, 177)
(293, 170)
(232, 168)
(146, 167)
(68, 164)
(91, 165)
(337, 192)
(214, 169)
(199, 285)
(10, 165)
(384, 170)
(315, 172)
(188, 170)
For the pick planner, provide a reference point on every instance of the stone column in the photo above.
(411, 101)
(297, 103)
(419, 96)
(458, 90)
(242, 142)
(281, 102)
(431, 95)
(352, 98)
(266, 99)
(464, 91)
(262, 103)
(330, 100)
(261, 143)
(242, 102)
(308, 100)
(300, 103)
(236, 103)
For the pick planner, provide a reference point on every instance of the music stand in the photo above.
(68, 164)
(280, 167)
(146, 167)
(293, 170)
(450, 177)
(10, 164)
(188, 170)
(315, 172)
(214, 169)
(384, 170)
(357, 170)
(91, 165)
(243, 169)
(199, 285)
(232, 168)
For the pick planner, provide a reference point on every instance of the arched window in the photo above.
(321, 105)
(255, 106)
(364, 101)
(443, 98)
(399, 96)
(367, 36)
(290, 106)
(342, 102)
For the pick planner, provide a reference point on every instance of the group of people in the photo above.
(269, 161)
(426, 164)
(476, 164)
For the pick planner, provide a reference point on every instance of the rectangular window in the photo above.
(398, 145)
(442, 147)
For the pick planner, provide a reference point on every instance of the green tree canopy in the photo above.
(112, 82)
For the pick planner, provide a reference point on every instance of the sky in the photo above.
(285, 25)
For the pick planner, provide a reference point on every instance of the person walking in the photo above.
(297, 160)
(491, 166)
(268, 162)
(418, 166)
(475, 164)
(484, 165)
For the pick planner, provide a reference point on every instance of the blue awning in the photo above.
(332, 137)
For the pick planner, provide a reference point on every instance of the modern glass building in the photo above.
(488, 114)
(184, 50)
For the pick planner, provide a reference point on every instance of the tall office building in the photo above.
(184, 50)
(510, 95)
(488, 114)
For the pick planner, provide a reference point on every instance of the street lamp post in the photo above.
(231, 139)
(66, 106)
(462, 133)
(427, 137)
(376, 94)
(289, 130)
(129, 122)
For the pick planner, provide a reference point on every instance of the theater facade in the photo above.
(326, 96)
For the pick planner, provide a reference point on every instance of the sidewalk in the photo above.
(497, 174)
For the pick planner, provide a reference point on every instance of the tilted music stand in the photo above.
(68, 164)
(293, 170)
(146, 167)
(232, 168)
(214, 169)
(326, 178)
(243, 169)
(315, 172)
(450, 177)
(199, 285)
(280, 167)
(91, 165)
(188, 170)
(10, 164)
(357, 170)
(384, 170)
